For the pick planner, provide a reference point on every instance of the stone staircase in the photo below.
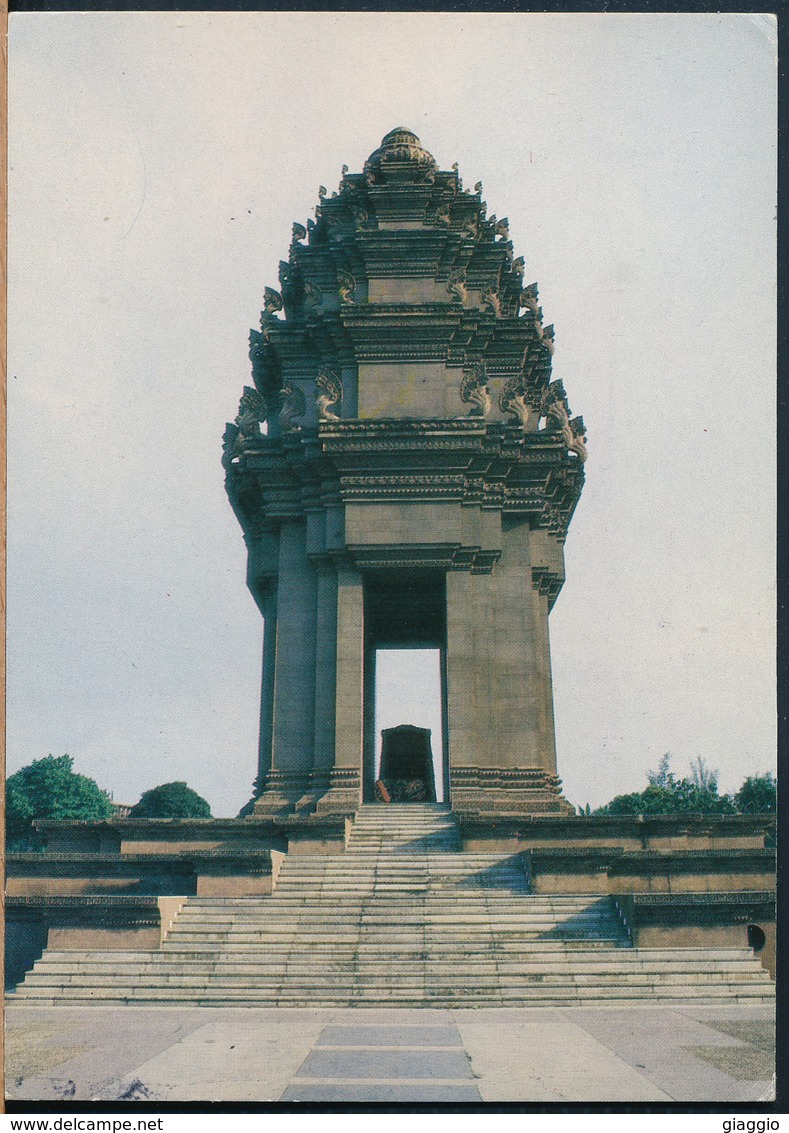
(403, 918)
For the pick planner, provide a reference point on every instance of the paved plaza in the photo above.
(636, 1054)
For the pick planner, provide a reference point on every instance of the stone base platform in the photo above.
(677, 882)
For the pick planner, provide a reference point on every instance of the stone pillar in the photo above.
(293, 723)
(542, 659)
(325, 675)
(499, 698)
(465, 706)
(517, 679)
(370, 736)
(267, 685)
(345, 780)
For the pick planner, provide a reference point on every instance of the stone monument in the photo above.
(404, 470)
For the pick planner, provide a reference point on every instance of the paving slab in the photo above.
(492, 1054)
(65, 1052)
(233, 1058)
(386, 1061)
(371, 1034)
(677, 1049)
(519, 1056)
(382, 1092)
(362, 1062)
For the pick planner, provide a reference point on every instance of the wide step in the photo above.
(404, 918)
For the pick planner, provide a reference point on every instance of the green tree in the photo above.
(757, 795)
(665, 794)
(171, 800)
(50, 788)
(663, 777)
(703, 777)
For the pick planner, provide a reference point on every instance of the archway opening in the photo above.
(408, 691)
(756, 937)
(405, 682)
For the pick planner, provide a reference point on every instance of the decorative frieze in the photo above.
(421, 556)
(351, 460)
(493, 790)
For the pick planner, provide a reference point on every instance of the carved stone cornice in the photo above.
(395, 488)
(455, 333)
(747, 898)
(547, 582)
(111, 900)
(434, 556)
(38, 863)
(101, 910)
(490, 465)
(397, 426)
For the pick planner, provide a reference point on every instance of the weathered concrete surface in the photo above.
(488, 1055)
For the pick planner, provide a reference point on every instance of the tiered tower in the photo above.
(413, 485)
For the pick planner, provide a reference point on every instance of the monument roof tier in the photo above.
(403, 359)
(401, 149)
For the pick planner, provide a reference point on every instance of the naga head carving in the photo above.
(272, 300)
(474, 390)
(328, 393)
(292, 405)
(346, 285)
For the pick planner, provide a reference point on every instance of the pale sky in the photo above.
(157, 162)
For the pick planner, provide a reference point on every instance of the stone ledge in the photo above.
(661, 900)
(88, 922)
(180, 857)
(108, 902)
(249, 826)
(224, 872)
(86, 910)
(511, 831)
(582, 822)
(617, 856)
(189, 836)
(615, 869)
(715, 919)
